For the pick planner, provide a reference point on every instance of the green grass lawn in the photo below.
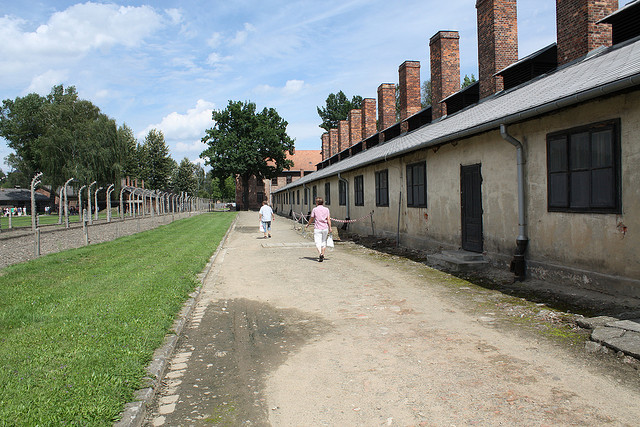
(78, 328)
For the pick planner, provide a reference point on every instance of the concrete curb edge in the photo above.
(135, 412)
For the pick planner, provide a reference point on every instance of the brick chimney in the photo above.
(409, 88)
(578, 33)
(355, 126)
(497, 42)
(333, 141)
(326, 148)
(343, 135)
(445, 69)
(386, 105)
(368, 117)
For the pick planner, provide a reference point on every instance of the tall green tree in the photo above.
(201, 181)
(157, 165)
(337, 107)
(468, 81)
(223, 189)
(425, 94)
(62, 136)
(130, 152)
(185, 178)
(246, 143)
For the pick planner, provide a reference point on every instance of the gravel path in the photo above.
(363, 339)
(18, 245)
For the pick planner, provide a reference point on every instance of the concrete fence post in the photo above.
(80, 208)
(66, 203)
(89, 201)
(37, 243)
(96, 198)
(109, 191)
(35, 181)
(85, 228)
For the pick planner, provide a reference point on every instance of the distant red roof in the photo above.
(305, 159)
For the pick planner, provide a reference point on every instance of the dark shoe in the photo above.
(321, 258)
(269, 235)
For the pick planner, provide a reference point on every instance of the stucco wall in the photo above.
(581, 242)
(584, 240)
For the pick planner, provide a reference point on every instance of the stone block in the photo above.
(629, 325)
(594, 322)
(602, 334)
(629, 343)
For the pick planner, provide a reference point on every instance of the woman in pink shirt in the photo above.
(321, 218)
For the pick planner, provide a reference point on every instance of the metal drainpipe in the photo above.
(518, 265)
(346, 184)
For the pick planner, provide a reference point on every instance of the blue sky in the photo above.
(166, 65)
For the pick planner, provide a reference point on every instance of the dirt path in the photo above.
(364, 339)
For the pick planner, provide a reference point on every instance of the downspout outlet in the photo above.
(518, 265)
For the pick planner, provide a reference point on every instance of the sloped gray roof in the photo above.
(20, 195)
(603, 71)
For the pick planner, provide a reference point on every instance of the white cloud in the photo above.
(264, 89)
(175, 15)
(180, 127)
(214, 58)
(192, 147)
(43, 83)
(241, 36)
(102, 94)
(215, 40)
(77, 30)
(293, 86)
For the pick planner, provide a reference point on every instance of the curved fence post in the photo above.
(96, 199)
(89, 201)
(60, 204)
(109, 191)
(122, 202)
(35, 181)
(66, 203)
(80, 202)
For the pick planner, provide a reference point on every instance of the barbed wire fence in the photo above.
(139, 209)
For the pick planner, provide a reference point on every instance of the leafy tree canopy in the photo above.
(61, 136)
(337, 108)
(468, 81)
(425, 94)
(130, 154)
(245, 142)
(185, 178)
(156, 165)
(223, 189)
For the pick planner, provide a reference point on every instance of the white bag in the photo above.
(330, 241)
(261, 227)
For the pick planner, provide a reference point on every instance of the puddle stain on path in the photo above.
(229, 348)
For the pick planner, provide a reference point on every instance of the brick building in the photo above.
(304, 163)
(532, 168)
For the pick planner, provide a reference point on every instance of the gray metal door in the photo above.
(471, 202)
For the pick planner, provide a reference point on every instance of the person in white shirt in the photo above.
(266, 216)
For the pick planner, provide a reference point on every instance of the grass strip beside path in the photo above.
(78, 328)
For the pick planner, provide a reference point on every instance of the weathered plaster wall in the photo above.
(606, 245)
(584, 240)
